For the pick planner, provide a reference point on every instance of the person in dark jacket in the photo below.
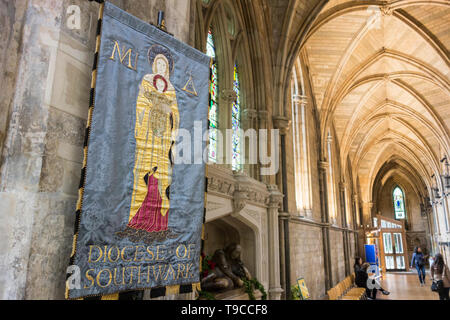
(440, 272)
(358, 264)
(361, 278)
(357, 267)
(418, 260)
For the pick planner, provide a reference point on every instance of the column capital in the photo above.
(281, 123)
(284, 216)
(386, 9)
(249, 114)
(275, 196)
(229, 95)
(368, 204)
(263, 115)
(324, 165)
(329, 138)
(297, 98)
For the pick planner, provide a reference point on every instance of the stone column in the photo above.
(225, 150)
(367, 214)
(323, 177)
(342, 188)
(275, 199)
(356, 222)
(21, 204)
(356, 208)
(43, 149)
(300, 139)
(323, 166)
(250, 146)
(262, 123)
(332, 205)
(283, 124)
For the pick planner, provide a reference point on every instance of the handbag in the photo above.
(437, 286)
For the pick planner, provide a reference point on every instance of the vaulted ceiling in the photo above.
(380, 76)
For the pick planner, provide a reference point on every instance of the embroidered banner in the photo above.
(140, 213)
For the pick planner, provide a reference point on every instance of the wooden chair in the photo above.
(353, 293)
(345, 290)
(340, 290)
(332, 294)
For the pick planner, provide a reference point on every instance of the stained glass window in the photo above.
(399, 203)
(236, 122)
(213, 108)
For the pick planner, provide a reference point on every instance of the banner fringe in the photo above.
(114, 296)
(85, 153)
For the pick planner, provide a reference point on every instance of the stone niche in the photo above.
(236, 212)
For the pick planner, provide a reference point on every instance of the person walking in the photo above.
(441, 275)
(418, 260)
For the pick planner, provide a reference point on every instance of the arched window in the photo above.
(236, 122)
(399, 203)
(214, 99)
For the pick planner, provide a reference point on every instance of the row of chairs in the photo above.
(345, 290)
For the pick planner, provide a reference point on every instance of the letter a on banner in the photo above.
(140, 214)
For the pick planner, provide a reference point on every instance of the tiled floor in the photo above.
(406, 286)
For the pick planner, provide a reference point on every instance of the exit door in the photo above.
(394, 252)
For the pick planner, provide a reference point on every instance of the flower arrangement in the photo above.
(207, 265)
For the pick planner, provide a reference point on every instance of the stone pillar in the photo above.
(275, 199)
(283, 124)
(23, 154)
(367, 214)
(332, 205)
(302, 157)
(263, 117)
(323, 166)
(323, 177)
(43, 149)
(225, 150)
(357, 213)
(248, 117)
(342, 188)
(356, 223)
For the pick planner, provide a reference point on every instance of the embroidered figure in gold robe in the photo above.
(157, 118)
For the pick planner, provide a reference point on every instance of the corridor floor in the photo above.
(406, 286)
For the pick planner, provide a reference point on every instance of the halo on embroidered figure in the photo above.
(158, 50)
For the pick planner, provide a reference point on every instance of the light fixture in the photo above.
(436, 192)
(435, 188)
(446, 176)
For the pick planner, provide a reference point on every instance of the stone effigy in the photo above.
(228, 272)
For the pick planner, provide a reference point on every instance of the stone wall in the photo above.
(386, 205)
(337, 256)
(307, 259)
(12, 15)
(45, 112)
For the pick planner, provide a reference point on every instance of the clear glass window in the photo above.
(387, 241)
(398, 243)
(401, 262)
(390, 262)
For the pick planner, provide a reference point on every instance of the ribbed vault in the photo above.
(380, 76)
